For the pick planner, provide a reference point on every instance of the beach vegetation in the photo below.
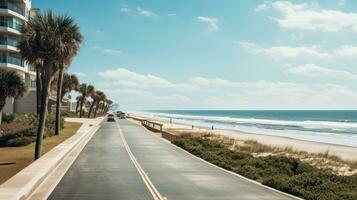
(13, 135)
(281, 172)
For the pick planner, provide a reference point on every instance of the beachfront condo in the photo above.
(13, 13)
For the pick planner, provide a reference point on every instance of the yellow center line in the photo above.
(154, 192)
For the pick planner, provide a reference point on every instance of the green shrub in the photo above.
(7, 118)
(283, 173)
(67, 113)
(22, 131)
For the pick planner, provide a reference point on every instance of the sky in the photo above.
(210, 54)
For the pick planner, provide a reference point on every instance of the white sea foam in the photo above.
(342, 133)
(304, 124)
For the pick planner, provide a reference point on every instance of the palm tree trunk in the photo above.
(77, 106)
(96, 110)
(58, 104)
(91, 109)
(38, 90)
(43, 112)
(2, 105)
(81, 107)
(0, 117)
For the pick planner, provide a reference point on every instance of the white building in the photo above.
(13, 13)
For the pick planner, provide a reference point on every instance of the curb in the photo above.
(24, 183)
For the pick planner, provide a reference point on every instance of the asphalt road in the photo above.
(102, 171)
(180, 176)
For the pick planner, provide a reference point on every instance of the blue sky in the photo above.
(206, 54)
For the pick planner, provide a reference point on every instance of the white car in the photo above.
(110, 118)
(122, 115)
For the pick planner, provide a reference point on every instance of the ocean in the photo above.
(332, 126)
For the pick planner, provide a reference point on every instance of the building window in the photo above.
(11, 60)
(33, 83)
(8, 41)
(10, 22)
(11, 6)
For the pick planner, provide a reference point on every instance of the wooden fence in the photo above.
(157, 127)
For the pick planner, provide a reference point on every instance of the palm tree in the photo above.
(109, 104)
(85, 90)
(96, 96)
(65, 84)
(11, 85)
(100, 96)
(46, 40)
(70, 83)
(73, 36)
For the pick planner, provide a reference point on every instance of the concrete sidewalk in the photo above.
(103, 170)
(180, 176)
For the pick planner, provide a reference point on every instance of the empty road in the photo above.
(103, 170)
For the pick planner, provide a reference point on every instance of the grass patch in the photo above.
(324, 160)
(23, 156)
(281, 172)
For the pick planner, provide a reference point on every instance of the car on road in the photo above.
(110, 118)
(122, 115)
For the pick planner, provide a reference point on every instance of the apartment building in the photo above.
(13, 13)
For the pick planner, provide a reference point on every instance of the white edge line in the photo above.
(227, 171)
(154, 192)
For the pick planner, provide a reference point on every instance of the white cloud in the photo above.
(277, 52)
(146, 13)
(212, 23)
(146, 91)
(312, 17)
(171, 14)
(126, 78)
(79, 74)
(347, 51)
(108, 50)
(314, 51)
(125, 9)
(311, 70)
(277, 95)
(265, 5)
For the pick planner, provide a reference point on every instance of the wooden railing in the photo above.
(157, 127)
(152, 125)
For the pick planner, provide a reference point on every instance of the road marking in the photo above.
(154, 192)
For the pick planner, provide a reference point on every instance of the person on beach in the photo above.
(212, 127)
(193, 127)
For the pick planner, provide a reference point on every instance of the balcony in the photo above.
(8, 41)
(11, 60)
(10, 22)
(12, 7)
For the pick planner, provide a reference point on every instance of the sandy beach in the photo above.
(344, 152)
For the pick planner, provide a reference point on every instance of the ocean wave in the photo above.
(343, 126)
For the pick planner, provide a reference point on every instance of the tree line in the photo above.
(49, 43)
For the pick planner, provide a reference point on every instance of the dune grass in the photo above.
(281, 172)
(14, 159)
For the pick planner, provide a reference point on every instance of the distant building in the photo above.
(13, 14)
